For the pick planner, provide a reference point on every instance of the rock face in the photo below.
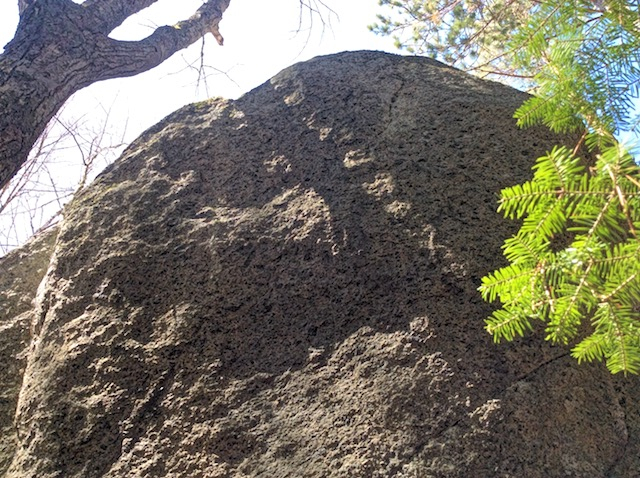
(285, 286)
(21, 271)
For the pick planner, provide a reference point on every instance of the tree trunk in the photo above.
(61, 46)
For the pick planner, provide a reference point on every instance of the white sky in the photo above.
(261, 39)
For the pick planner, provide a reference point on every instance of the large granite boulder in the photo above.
(21, 271)
(286, 286)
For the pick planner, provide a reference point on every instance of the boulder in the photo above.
(21, 271)
(285, 285)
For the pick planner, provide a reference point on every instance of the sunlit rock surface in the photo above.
(286, 286)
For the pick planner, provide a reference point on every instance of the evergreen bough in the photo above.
(576, 257)
(574, 265)
(575, 262)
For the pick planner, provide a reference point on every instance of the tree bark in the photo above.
(61, 46)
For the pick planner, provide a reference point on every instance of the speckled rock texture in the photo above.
(285, 286)
(21, 271)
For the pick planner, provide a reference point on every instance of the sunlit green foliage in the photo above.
(575, 258)
(574, 265)
(590, 57)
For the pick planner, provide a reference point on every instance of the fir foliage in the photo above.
(574, 265)
(590, 52)
(575, 262)
(595, 277)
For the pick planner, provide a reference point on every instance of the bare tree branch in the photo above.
(116, 59)
(34, 198)
(110, 14)
(61, 46)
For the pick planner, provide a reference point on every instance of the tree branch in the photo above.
(110, 14)
(61, 47)
(116, 59)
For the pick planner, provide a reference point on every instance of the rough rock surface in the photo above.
(285, 286)
(21, 271)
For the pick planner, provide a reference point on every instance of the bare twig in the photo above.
(33, 199)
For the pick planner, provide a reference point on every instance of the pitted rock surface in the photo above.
(285, 285)
(21, 272)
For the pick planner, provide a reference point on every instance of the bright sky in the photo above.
(261, 39)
